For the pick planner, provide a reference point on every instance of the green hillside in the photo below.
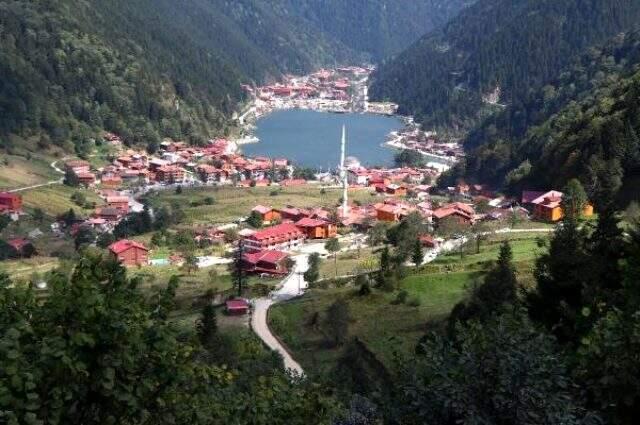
(583, 124)
(514, 45)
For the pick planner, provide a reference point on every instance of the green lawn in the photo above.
(384, 326)
(231, 203)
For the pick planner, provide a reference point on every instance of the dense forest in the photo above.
(379, 28)
(584, 123)
(152, 69)
(501, 47)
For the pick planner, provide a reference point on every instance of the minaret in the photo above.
(343, 174)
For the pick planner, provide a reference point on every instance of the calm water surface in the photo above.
(312, 139)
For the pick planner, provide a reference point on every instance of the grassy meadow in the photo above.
(230, 203)
(386, 327)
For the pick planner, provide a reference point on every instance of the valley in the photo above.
(319, 212)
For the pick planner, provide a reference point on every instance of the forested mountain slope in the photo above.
(379, 28)
(513, 45)
(144, 69)
(148, 69)
(583, 124)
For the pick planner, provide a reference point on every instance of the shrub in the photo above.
(414, 302)
(209, 200)
(401, 298)
(364, 290)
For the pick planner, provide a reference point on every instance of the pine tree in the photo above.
(207, 326)
(418, 253)
(560, 278)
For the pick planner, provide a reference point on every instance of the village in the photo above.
(270, 234)
(244, 231)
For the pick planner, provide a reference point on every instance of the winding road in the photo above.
(292, 286)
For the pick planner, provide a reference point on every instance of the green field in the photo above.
(386, 327)
(56, 199)
(349, 263)
(21, 270)
(231, 203)
(20, 171)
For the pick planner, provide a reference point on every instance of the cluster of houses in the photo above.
(412, 137)
(342, 89)
(178, 163)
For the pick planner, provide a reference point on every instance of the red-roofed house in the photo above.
(77, 166)
(548, 207)
(118, 202)
(111, 182)
(129, 253)
(170, 174)
(237, 307)
(269, 262)
(317, 229)
(281, 237)
(10, 201)
(267, 214)
(427, 241)
(463, 213)
(86, 178)
(393, 211)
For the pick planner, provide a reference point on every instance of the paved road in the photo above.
(292, 287)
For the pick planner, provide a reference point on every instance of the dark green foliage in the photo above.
(375, 27)
(105, 239)
(313, 272)
(96, 351)
(582, 124)
(517, 45)
(5, 220)
(560, 275)
(70, 179)
(255, 220)
(497, 291)
(69, 217)
(409, 158)
(84, 236)
(608, 365)
(417, 256)
(337, 321)
(574, 199)
(504, 371)
(403, 235)
(361, 412)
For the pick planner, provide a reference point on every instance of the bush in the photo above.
(364, 290)
(414, 302)
(209, 200)
(401, 298)
(274, 193)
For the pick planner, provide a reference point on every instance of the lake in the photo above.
(312, 139)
